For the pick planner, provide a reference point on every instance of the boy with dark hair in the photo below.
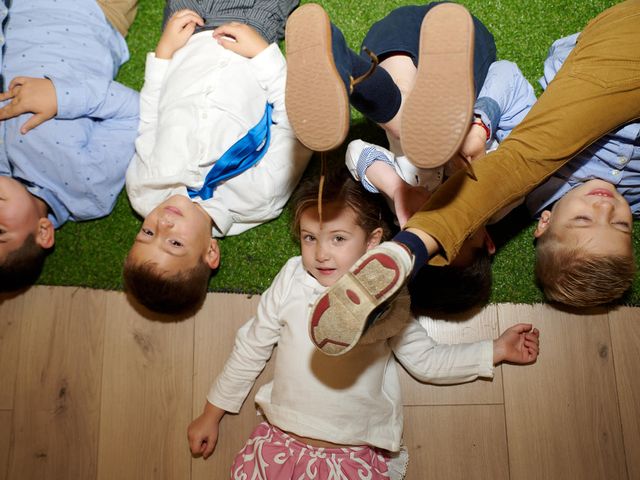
(215, 154)
(67, 128)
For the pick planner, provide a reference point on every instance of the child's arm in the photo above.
(407, 199)
(203, 431)
(436, 363)
(376, 168)
(504, 100)
(253, 346)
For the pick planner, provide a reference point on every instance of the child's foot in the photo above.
(316, 98)
(340, 317)
(437, 112)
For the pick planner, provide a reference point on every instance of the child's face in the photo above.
(176, 235)
(593, 215)
(329, 250)
(19, 216)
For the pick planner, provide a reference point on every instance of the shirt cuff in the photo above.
(155, 68)
(268, 64)
(486, 367)
(489, 112)
(366, 158)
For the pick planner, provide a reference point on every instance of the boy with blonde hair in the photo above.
(586, 210)
(215, 154)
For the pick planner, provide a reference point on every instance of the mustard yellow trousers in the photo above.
(120, 13)
(596, 90)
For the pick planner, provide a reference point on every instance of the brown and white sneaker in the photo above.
(347, 309)
(315, 97)
(438, 110)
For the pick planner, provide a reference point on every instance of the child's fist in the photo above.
(178, 30)
(240, 38)
(518, 344)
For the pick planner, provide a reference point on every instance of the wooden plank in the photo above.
(10, 315)
(216, 326)
(57, 399)
(146, 394)
(5, 437)
(470, 328)
(625, 338)
(456, 442)
(562, 413)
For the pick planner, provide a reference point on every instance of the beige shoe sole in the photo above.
(437, 112)
(315, 96)
(340, 317)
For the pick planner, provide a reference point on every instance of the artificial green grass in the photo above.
(91, 254)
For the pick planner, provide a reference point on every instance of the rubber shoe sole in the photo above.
(315, 97)
(437, 113)
(340, 317)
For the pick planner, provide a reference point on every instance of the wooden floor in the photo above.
(91, 388)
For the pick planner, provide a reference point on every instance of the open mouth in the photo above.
(601, 192)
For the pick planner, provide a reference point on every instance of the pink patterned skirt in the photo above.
(271, 454)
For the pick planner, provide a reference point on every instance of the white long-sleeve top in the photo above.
(192, 109)
(353, 399)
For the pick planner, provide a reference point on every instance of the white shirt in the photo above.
(192, 109)
(353, 399)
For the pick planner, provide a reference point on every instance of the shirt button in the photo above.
(622, 160)
(615, 172)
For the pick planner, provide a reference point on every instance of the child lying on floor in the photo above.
(335, 412)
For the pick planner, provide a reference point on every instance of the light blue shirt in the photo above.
(614, 158)
(504, 100)
(76, 162)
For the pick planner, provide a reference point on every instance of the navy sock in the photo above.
(417, 248)
(378, 97)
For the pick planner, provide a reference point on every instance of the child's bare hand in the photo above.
(407, 200)
(518, 344)
(177, 32)
(474, 145)
(34, 95)
(240, 38)
(203, 431)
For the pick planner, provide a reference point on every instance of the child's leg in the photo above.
(396, 40)
(267, 16)
(321, 71)
(120, 13)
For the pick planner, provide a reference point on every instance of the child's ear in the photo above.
(375, 238)
(212, 257)
(488, 243)
(543, 224)
(46, 234)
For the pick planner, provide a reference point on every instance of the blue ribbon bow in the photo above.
(242, 155)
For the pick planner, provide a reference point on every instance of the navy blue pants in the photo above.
(378, 98)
